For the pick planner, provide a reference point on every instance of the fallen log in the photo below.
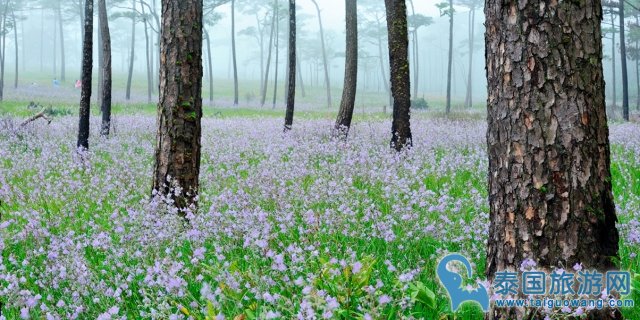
(42, 114)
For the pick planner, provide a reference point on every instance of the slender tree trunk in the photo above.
(133, 50)
(106, 69)
(266, 73)
(233, 53)
(623, 64)
(637, 66)
(4, 47)
(261, 41)
(147, 50)
(177, 154)
(613, 59)
(345, 114)
(416, 66)
(15, 42)
(325, 63)
(87, 65)
(210, 64)
(383, 71)
(55, 46)
(100, 62)
(450, 61)
(299, 71)
(275, 82)
(62, 56)
(400, 75)
(291, 75)
(549, 175)
(468, 101)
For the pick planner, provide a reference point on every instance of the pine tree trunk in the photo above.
(100, 63)
(177, 154)
(15, 42)
(275, 82)
(4, 47)
(400, 75)
(133, 50)
(291, 74)
(105, 99)
(468, 101)
(87, 66)
(266, 73)
(62, 56)
(613, 59)
(548, 141)
(300, 80)
(233, 53)
(383, 71)
(345, 114)
(209, 64)
(450, 61)
(325, 64)
(147, 50)
(623, 64)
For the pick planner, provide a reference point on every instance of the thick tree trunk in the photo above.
(209, 64)
(468, 101)
(623, 64)
(266, 73)
(291, 74)
(325, 64)
(450, 61)
(63, 66)
(400, 75)
(133, 50)
(548, 142)
(87, 66)
(105, 95)
(177, 155)
(345, 114)
(233, 53)
(147, 50)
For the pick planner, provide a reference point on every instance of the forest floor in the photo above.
(288, 226)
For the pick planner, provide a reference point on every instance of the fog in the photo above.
(40, 51)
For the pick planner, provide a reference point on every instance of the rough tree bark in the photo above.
(87, 66)
(291, 74)
(548, 144)
(327, 83)
(400, 75)
(177, 154)
(133, 49)
(105, 95)
(345, 114)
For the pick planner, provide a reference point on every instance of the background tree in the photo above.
(177, 152)
(345, 114)
(291, 74)
(416, 21)
(233, 53)
(472, 5)
(400, 75)
(106, 68)
(87, 66)
(327, 82)
(623, 63)
(132, 56)
(550, 195)
(446, 9)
